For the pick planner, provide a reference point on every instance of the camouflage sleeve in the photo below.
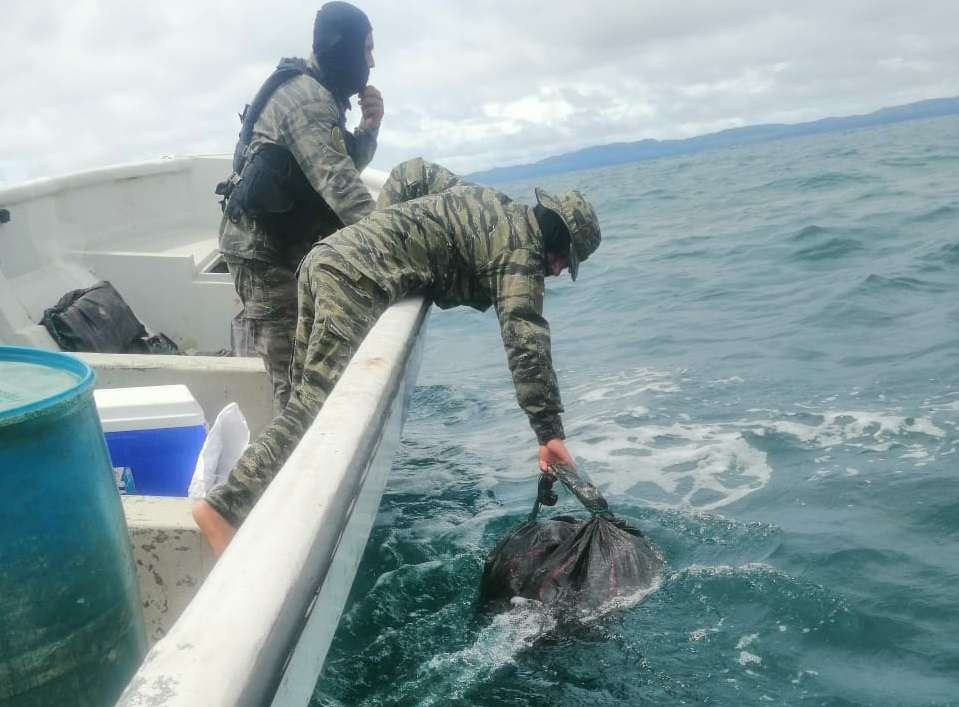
(517, 284)
(324, 160)
(415, 178)
(364, 147)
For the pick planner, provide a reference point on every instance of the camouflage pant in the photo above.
(415, 178)
(268, 320)
(335, 314)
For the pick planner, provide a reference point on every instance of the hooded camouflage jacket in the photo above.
(306, 119)
(468, 245)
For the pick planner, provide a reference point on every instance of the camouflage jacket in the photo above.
(305, 118)
(468, 245)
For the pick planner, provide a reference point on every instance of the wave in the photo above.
(864, 430)
(684, 465)
(883, 194)
(792, 604)
(818, 182)
(626, 384)
(929, 158)
(942, 345)
(495, 646)
(903, 161)
(946, 254)
(833, 248)
(877, 284)
(808, 232)
(942, 213)
(841, 152)
(939, 517)
(451, 676)
(659, 192)
(828, 180)
(452, 403)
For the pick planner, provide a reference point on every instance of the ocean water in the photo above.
(760, 366)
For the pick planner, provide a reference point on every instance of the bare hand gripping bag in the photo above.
(567, 561)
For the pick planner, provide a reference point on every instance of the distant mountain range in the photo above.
(623, 152)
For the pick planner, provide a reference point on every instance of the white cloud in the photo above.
(89, 82)
(547, 108)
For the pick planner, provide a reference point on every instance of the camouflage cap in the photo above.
(580, 218)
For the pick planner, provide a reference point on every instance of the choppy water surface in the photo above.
(761, 367)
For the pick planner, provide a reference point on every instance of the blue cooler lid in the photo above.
(32, 380)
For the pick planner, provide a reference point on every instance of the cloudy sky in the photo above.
(475, 84)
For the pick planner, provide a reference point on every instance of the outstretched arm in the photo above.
(517, 284)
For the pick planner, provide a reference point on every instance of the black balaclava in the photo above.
(555, 233)
(339, 44)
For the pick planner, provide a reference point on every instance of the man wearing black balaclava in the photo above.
(296, 179)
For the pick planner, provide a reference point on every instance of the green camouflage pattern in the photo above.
(413, 179)
(307, 119)
(267, 322)
(581, 221)
(468, 245)
(335, 314)
(304, 117)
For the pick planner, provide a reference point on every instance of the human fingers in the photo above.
(370, 92)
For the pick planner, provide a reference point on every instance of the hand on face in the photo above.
(554, 452)
(371, 104)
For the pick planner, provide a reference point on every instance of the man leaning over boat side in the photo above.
(296, 180)
(468, 245)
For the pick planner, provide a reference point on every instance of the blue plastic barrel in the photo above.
(71, 624)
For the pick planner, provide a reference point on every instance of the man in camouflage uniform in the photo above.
(468, 245)
(297, 179)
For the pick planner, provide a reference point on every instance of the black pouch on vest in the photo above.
(264, 185)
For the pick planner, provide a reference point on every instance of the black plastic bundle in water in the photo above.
(569, 561)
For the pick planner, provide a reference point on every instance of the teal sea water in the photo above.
(760, 367)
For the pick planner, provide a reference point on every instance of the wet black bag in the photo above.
(570, 561)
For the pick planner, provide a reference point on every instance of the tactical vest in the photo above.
(267, 184)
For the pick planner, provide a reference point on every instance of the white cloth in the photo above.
(224, 444)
